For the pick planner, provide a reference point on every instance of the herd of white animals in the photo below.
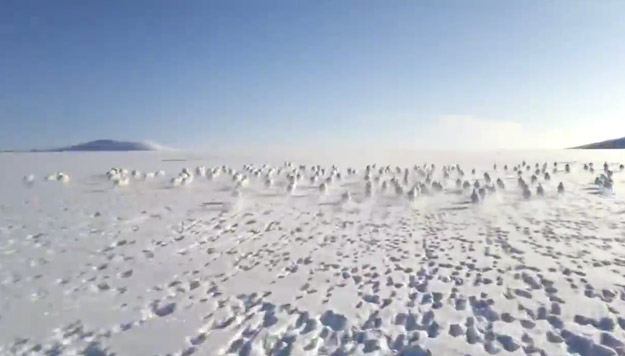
(402, 182)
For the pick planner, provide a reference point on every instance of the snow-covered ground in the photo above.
(155, 267)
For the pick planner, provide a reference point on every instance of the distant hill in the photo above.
(106, 145)
(609, 144)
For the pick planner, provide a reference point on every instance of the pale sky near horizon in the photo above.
(410, 74)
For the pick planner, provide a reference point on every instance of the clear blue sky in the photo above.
(425, 74)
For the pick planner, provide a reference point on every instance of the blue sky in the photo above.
(416, 74)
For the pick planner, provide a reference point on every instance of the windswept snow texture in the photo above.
(160, 266)
(108, 145)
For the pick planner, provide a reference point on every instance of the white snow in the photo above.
(341, 268)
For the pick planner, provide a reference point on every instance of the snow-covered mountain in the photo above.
(108, 145)
(609, 144)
